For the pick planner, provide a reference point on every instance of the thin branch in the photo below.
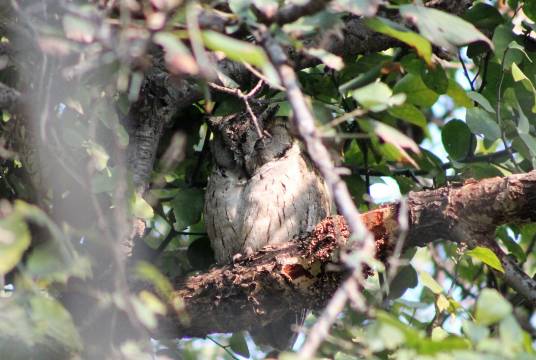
(498, 112)
(466, 72)
(245, 98)
(305, 125)
(224, 347)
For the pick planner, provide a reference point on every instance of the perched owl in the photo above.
(262, 190)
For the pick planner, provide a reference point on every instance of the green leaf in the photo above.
(98, 155)
(48, 262)
(416, 91)
(436, 79)
(430, 282)
(177, 55)
(405, 278)
(491, 307)
(481, 100)
(513, 247)
(235, 49)
(50, 317)
(238, 50)
(187, 207)
(511, 334)
(502, 38)
(487, 256)
(377, 97)
(484, 16)
(474, 332)
(458, 140)
(330, 60)
(239, 345)
(530, 142)
(141, 208)
(14, 240)
(409, 113)
(458, 94)
(529, 8)
(443, 29)
(397, 31)
(149, 273)
(518, 75)
(481, 123)
(394, 139)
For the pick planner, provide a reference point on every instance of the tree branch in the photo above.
(298, 274)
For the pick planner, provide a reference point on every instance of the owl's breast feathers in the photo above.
(281, 198)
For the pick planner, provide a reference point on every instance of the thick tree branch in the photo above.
(297, 274)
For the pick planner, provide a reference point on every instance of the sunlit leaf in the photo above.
(333, 61)
(487, 256)
(518, 75)
(377, 97)
(397, 31)
(408, 113)
(441, 28)
(416, 91)
(491, 307)
(14, 240)
(239, 50)
(430, 282)
(141, 208)
(391, 135)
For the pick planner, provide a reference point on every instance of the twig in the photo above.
(305, 125)
(262, 77)
(498, 113)
(466, 73)
(412, 172)
(224, 347)
(245, 98)
(349, 115)
(320, 329)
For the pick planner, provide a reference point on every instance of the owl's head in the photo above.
(237, 146)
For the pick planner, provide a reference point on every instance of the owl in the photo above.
(262, 190)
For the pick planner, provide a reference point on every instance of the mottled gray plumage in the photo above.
(261, 191)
